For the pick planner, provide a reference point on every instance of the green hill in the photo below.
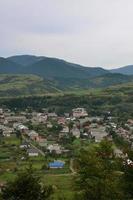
(128, 70)
(27, 75)
(12, 85)
(24, 60)
(102, 81)
(25, 85)
(9, 67)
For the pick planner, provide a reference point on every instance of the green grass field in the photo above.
(10, 164)
(63, 185)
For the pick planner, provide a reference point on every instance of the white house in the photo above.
(32, 152)
(54, 147)
(79, 112)
(75, 132)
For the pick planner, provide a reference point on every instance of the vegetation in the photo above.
(103, 176)
(117, 100)
(31, 75)
(25, 85)
(26, 186)
(29, 85)
(91, 170)
(99, 175)
(98, 178)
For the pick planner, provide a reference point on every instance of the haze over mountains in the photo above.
(26, 74)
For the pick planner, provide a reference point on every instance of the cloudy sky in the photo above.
(88, 32)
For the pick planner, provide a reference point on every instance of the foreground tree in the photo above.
(128, 175)
(26, 186)
(98, 175)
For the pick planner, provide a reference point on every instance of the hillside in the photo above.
(123, 89)
(26, 75)
(8, 66)
(117, 99)
(25, 60)
(102, 81)
(108, 80)
(53, 67)
(128, 70)
(25, 85)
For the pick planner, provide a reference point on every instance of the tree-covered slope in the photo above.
(128, 70)
(7, 66)
(51, 75)
(25, 60)
(25, 85)
(102, 81)
(53, 67)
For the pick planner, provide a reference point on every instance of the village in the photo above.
(51, 141)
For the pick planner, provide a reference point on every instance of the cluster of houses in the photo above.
(55, 129)
(77, 124)
(126, 132)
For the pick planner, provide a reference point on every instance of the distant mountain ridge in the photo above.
(25, 60)
(127, 70)
(29, 74)
(7, 66)
(53, 67)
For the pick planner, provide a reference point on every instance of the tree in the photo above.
(98, 177)
(26, 186)
(128, 175)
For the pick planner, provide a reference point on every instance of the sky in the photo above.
(89, 32)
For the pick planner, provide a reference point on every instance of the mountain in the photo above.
(38, 75)
(53, 67)
(7, 66)
(25, 85)
(108, 80)
(29, 85)
(128, 70)
(25, 60)
(102, 81)
(122, 89)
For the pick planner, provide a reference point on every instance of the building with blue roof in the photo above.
(56, 164)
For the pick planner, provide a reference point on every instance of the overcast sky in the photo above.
(88, 32)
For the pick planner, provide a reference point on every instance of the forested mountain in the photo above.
(28, 85)
(128, 70)
(8, 66)
(25, 85)
(53, 67)
(37, 75)
(25, 60)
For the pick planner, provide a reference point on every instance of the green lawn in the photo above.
(63, 185)
(13, 140)
(10, 161)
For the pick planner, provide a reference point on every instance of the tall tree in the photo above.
(26, 186)
(128, 175)
(98, 177)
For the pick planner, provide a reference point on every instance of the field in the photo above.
(11, 163)
(63, 185)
